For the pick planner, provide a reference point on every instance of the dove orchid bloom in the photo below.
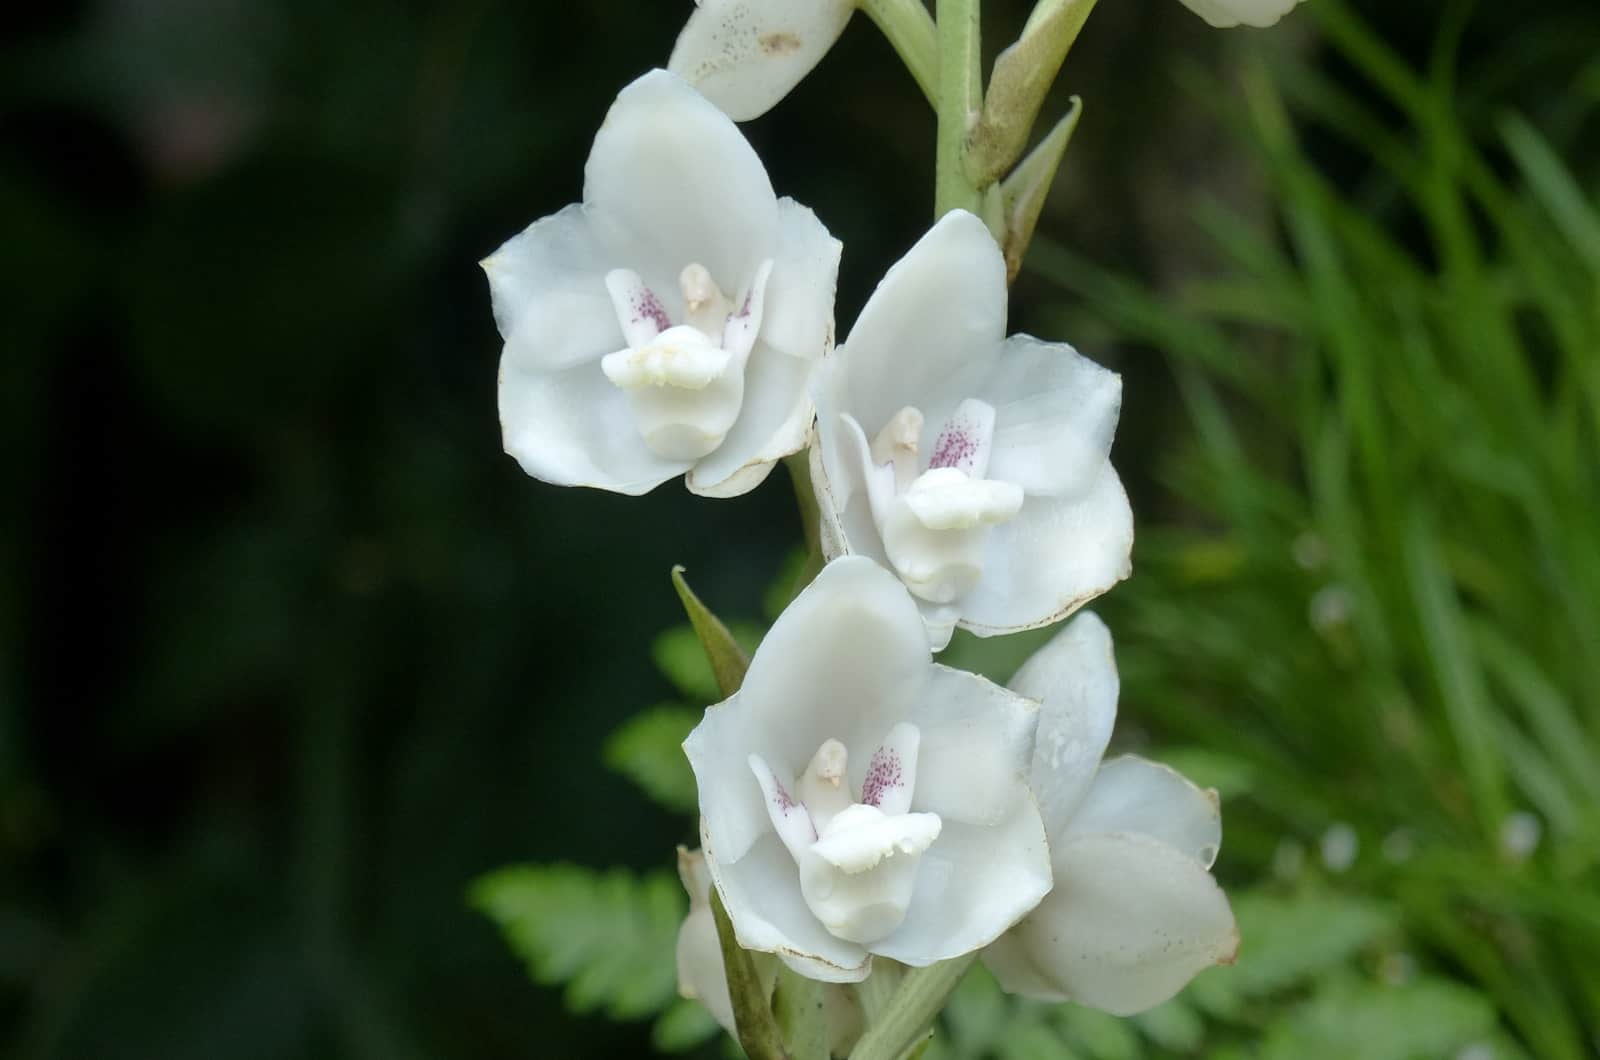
(857, 798)
(670, 322)
(1135, 913)
(973, 466)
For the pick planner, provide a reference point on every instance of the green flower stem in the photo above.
(802, 1017)
(960, 100)
(909, 28)
(913, 1006)
(758, 1030)
(875, 991)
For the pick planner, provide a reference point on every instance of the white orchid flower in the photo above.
(746, 55)
(1225, 14)
(670, 322)
(857, 798)
(1135, 913)
(972, 465)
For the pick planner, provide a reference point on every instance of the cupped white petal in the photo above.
(774, 421)
(789, 818)
(847, 656)
(572, 427)
(1057, 554)
(1132, 794)
(671, 179)
(800, 293)
(1074, 678)
(746, 55)
(1130, 921)
(761, 892)
(547, 286)
(930, 331)
(1055, 414)
(975, 744)
(975, 881)
(1225, 14)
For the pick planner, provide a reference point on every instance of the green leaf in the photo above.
(726, 656)
(1173, 1026)
(684, 1025)
(648, 750)
(1427, 1018)
(1098, 1035)
(1288, 940)
(610, 936)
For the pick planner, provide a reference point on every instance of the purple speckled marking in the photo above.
(646, 306)
(954, 446)
(785, 801)
(883, 773)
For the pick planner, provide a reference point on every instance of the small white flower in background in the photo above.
(1135, 913)
(974, 466)
(856, 798)
(746, 55)
(703, 977)
(672, 321)
(1225, 14)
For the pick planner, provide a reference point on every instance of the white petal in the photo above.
(774, 421)
(1130, 921)
(931, 330)
(1225, 14)
(548, 288)
(639, 312)
(976, 742)
(789, 819)
(1074, 678)
(701, 973)
(1056, 555)
(799, 314)
(672, 182)
(573, 428)
(746, 55)
(1055, 413)
(975, 881)
(761, 892)
(847, 656)
(1131, 794)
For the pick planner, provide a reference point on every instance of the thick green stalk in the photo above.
(909, 28)
(960, 100)
(922, 993)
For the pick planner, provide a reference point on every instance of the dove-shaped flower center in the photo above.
(685, 382)
(858, 856)
(935, 512)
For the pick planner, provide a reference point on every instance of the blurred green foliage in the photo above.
(289, 653)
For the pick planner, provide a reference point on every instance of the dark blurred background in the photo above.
(291, 651)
